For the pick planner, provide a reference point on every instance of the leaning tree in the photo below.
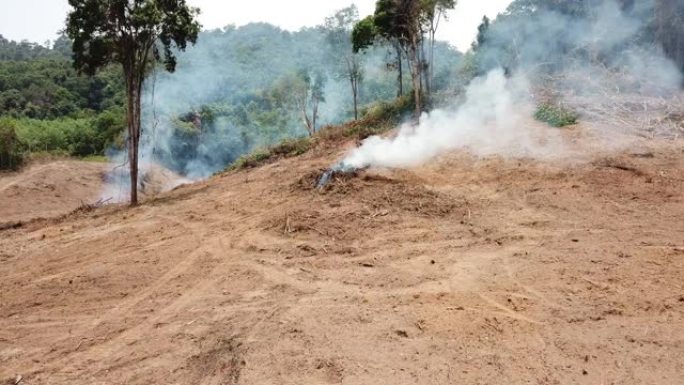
(135, 34)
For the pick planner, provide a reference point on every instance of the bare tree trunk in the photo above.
(307, 121)
(424, 68)
(314, 114)
(432, 56)
(310, 125)
(400, 68)
(416, 77)
(134, 94)
(420, 64)
(434, 24)
(353, 72)
(302, 104)
(355, 94)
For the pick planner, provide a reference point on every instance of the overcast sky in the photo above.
(39, 20)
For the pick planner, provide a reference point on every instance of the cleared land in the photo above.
(467, 270)
(49, 189)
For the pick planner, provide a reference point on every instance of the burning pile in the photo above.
(337, 169)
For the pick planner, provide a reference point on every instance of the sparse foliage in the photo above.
(304, 91)
(434, 11)
(555, 115)
(338, 28)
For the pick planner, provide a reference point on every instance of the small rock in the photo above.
(401, 333)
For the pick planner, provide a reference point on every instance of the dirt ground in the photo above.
(464, 271)
(49, 189)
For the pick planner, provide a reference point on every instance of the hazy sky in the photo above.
(39, 20)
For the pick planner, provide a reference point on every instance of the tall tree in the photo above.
(338, 29)
(400, 22)
(433, 13)
(135, 34)
(365, 34)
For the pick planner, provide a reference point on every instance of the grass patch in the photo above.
(377, 119)
(555, 115)
(251, 160)
(291, 147)
(285, 149)
(96, 158)
(392, 111)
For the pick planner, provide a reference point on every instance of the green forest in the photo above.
(46, 106)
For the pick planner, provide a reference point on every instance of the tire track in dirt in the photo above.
(24, 176)
(103, 345)
(178, 269)
(116, 347)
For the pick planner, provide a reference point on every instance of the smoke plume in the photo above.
(490, 121)
(597, 64)
(229, 95)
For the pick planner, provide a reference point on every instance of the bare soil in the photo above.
(467, 270)
(49, 189)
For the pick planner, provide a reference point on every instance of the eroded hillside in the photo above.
(466, 270)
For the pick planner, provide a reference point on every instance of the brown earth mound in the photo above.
(49, 189)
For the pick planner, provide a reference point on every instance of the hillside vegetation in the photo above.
(231, 93)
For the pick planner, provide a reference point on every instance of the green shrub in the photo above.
(11, 148)
(389, 111)
(252, 160)
(285, 149)
(291, 147)
(555, 115)
(82, 136)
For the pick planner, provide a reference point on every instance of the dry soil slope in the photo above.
(465, 271)
(45, 190)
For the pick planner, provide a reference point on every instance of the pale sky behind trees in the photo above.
(40, 20)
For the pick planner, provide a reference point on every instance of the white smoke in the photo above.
(491, 120)
(600, 80)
